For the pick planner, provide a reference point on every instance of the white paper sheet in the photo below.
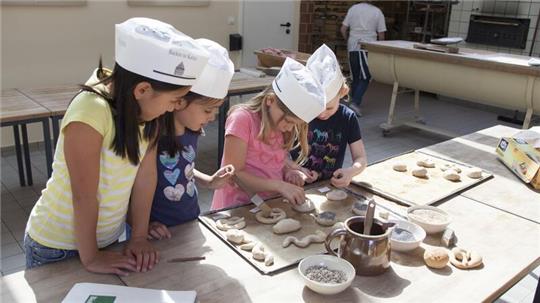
(104, 293)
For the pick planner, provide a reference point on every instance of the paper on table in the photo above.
(104, 293)
(531, 136)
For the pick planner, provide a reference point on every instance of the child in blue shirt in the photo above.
(175, 199)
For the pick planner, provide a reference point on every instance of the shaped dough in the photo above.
(474, 173)
(231, 223)
(275, 215)
(326, 218)
(305, 207)
(260, 254)
(401, 167)
(451, 175)
(235, 236)
(248, 246)
(464, 259)
(436, 257)
(336, 195)
(419, 172)
(450, 167)
(360, 208)
(286, 226)
(426, 163)
(317, 237)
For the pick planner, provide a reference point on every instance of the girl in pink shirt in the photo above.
(259, 134)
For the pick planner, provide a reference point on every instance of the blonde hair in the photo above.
(299, 133)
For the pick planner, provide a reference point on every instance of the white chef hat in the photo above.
(297, 88)
(158, 51)
(217, 74)
(325, 67)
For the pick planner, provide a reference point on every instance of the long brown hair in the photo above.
(291, 140)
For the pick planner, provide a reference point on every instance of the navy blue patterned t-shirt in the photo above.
(175, 199)
(328, 140)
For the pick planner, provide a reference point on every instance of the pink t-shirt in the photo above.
(262, 160)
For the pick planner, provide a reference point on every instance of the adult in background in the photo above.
(364, 23)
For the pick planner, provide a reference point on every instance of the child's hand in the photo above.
(222, 177)
(295, 177)
(111, 262)
(342, 177)
(292, 193)
(144, 253)
(310, 175)
(158, 231)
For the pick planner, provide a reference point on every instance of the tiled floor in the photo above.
(457, 116)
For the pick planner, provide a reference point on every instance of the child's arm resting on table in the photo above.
(82, 149)
(234, 153)
(140, 205)
(343, 176)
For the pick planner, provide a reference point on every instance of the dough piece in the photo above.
(275, 215)
(248, 246)
(268, 259)
(451, 167)
(400, 167)
(286, 226)
(464, 259)
(231, 223)
(336, 195)
(474, 173)
(317, 237)
(427, 163)
(326, 218)
(384, 215)
(235, 236)
(419, 172)
(360, 208)
(436, 258)
(305, 207)
(260, 254)
(451, 175)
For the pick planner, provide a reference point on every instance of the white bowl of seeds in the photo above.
(326, 274)
(431, 219)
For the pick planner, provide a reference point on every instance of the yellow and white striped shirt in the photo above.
(51, 220)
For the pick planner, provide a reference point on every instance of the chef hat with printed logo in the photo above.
(158, 51)
(298, 89)
(325, 67)
(217, 74)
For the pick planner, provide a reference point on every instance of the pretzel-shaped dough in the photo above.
(275, 215)
(317, 237)
(464, 259)
(260, 254)
(231, 223)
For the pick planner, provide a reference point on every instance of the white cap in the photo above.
(158, 51)
(297, 88)
(217, 74)
(325, 67)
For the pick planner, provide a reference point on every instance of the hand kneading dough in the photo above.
(426, 163)
(474, 173)
(419, 172)
(401, 167)
(451, 175)
(336, 195)
(305, 207)
(286, 226)
(436, 258)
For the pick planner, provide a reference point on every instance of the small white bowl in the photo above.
(429, 226)
(418, 234)
(331, 262)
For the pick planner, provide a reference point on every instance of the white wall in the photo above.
(55, 45)
(461, 13)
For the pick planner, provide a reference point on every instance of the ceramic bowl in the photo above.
(418, 235)
(431, 226)
(331, 262)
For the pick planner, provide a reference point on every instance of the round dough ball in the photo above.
(436, 258)
(400, 167)
(235, 236)
(326, 218)
(451, 175)
(426, 163)
(305, 207)
(336, 195)
(286, 226)
(360, 208)
(474, 173)
(419, 172)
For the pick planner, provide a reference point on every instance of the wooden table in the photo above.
(18, 110)
(491, 78)
(505, 191)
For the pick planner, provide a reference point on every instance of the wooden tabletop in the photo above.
(466, 56)
(56, 99)
(505, 191)
(15, 106)
(243, 83)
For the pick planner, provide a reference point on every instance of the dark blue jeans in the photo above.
(37, 254)
(360, 79)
